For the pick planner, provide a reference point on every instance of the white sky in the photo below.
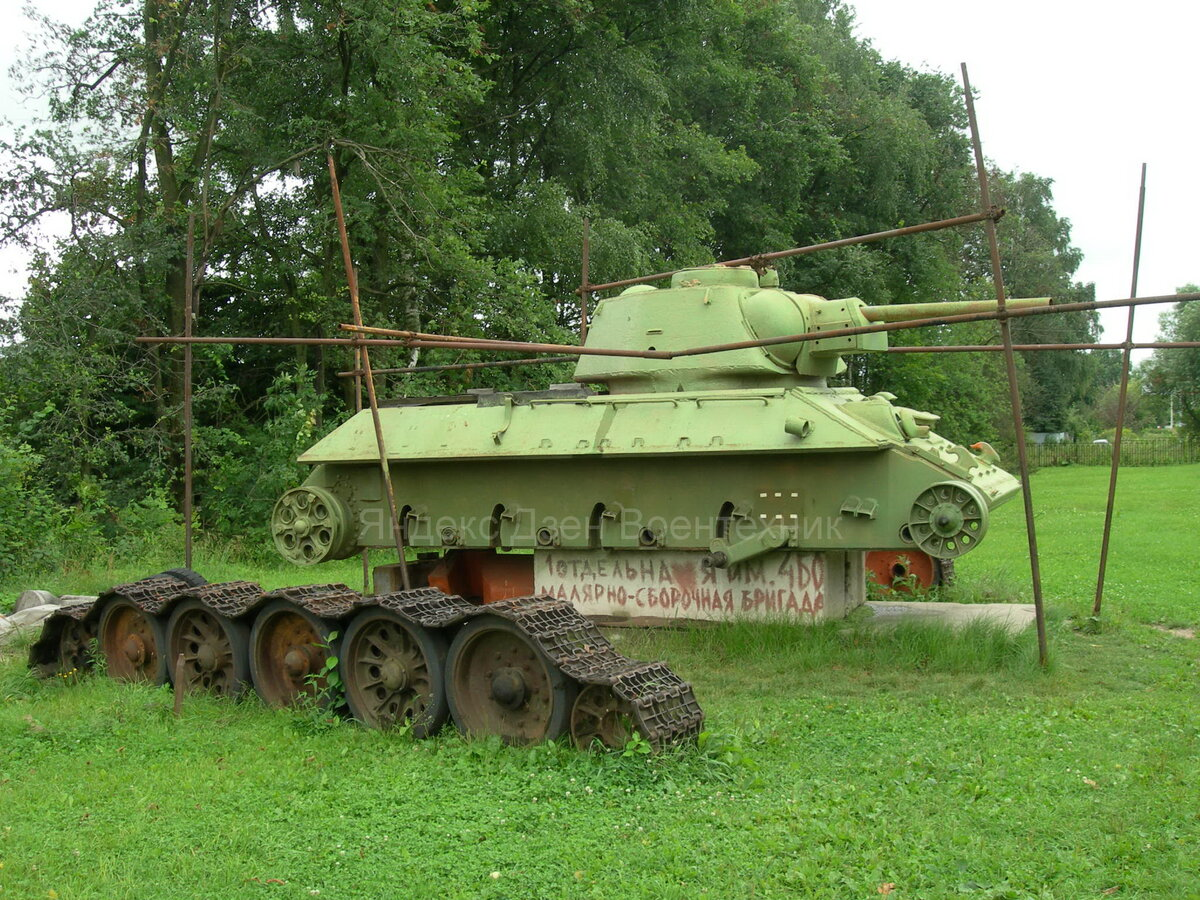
(1065, 90)
(1083, 93)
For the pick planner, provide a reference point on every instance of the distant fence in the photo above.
(1133, 453)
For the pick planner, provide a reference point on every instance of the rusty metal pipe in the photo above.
(452, 367)
(997, 348)
(419, 339)
(528, 347)
(385, 468)
(462, 343)
(584, 289)
(350, 343)
(188, 465)
(358, 381)
(1010, 364)
(1121, 403)
(991, 215)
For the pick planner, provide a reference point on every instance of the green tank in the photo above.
(736, 484)
(699, 486)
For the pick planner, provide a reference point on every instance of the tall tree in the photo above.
(1173, 375)
(1038, 260)
(470, 141)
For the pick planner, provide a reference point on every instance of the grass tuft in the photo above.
(859, 643)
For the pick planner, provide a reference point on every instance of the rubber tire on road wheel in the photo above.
(430, 644)
(120, 611)
(233, 632)
(274, 684)
(473, 705)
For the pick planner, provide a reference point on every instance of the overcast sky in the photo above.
(1070, 91)
(1065, 90)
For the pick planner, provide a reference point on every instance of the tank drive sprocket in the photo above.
(525, 669)
(311, 525)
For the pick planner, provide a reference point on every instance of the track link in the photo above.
(628, 695)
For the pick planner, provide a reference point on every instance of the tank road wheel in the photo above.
(394, 672)
(288, 650)
(132, 643)
(600, 716)
(215, 649)
(501, 683)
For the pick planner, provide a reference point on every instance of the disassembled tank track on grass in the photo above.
(526, 669)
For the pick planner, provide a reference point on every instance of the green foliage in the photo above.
(470, 142)
(319, 710)
(36, 529)
(28, 515)
(1038, 260)
(148, 523)
(241, 472)
(1173, 376)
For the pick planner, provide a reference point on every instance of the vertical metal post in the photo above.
(188, 302)
(358, 378)
(179, 685)
(358, 405)
(1126, 355)
(1010, 363)
(381, 444)
(583, 283)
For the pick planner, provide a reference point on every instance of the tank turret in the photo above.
(726, 305)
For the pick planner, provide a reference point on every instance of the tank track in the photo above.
(660, 705)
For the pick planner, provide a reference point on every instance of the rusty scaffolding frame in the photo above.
(363, 372)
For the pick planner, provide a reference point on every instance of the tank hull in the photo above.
(739, 473)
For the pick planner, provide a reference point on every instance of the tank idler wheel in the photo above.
(288, 650)
(132, 643)
(215, 649)
(75, 646)
(394, 673)
(501, 683)
(601, 717)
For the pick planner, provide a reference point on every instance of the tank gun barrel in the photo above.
(908, 312)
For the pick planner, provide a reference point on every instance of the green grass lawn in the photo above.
(841, 762)
(1152, 552)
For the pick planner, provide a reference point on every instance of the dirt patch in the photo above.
(1178, 632)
